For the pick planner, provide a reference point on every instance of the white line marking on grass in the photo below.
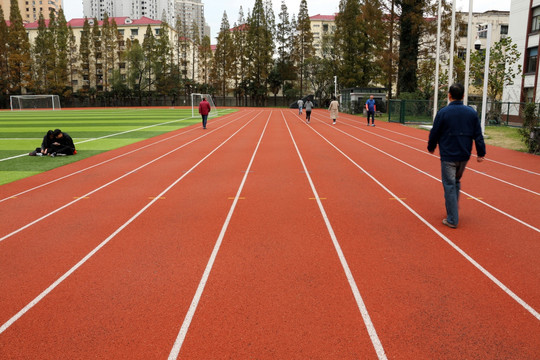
(45, 292)
(425, 140)
(79, 198)
(520, 301)
(110, 135)
(435, 156)
(202, 284)
(352, 283)
(120, 156)
(436, 179)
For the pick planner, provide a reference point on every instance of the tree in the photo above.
(304, 41)
(73, 55)
(18, 49)
(41, 48)
(503, 58)
(260, 46)
(352, 43)
(85, 51)
(195, 45)
(164, 59)
(223, 57)
(284, 34)
(148, 47)
(240, 56)
(3, 57)
(97, 54)
(205, 59)
(137, 68)
(62, 53)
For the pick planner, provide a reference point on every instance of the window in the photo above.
(504, 29)
(463, 28)
(121, 31)
(157, 31)
(535, 21)
(134, 32)
(532, 57)
(325, 27)
(529, 94)
(462, 53)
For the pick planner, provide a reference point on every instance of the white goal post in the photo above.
(35, 102)
(196, 98)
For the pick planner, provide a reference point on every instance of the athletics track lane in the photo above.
(277, 289)
(40, 335)
(508, 249)
(425, 299)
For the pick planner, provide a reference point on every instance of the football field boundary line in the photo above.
(477, 265)
(110, 135)
(425, 140)
(177, 346)
(532, 227)
(100, 188)
(120, 156)
(376, 342)
(61, 279)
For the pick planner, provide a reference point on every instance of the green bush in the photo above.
(530, 129)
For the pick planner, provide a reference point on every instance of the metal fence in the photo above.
(421, 111)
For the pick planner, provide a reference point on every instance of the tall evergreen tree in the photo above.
(195, 45)
(223, 57)
(18, 49)
(73, 55)
(148, 47)
(164, 61)
(241, 54)
(42, 44)
(97, 54)
(62, 52)
(51, 55)
(261, 45)
(284, 34)
(304, 41)
(410, 23)
(85, 52)
(352, 42)
(3, 57)
(205, 59)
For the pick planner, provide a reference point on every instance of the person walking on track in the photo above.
(204, 110)
(371, 108)
(334, 109)
(455, 128)
(309, 107)
(300, 105)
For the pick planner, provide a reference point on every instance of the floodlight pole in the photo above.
(486, 77)
(437, 59)
(452, 36)
(335, 87)
(468, 58)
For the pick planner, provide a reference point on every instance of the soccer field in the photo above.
(93, 131)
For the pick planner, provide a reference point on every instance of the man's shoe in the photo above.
(445, 222)
(53, 154)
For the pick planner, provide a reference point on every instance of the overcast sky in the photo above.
(214, 9)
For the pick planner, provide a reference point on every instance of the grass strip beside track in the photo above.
(94, 131)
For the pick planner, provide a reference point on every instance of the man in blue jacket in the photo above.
(455, 128)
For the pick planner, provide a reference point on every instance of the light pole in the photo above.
(335, 87)
(468, 57)
(437, 59)
(483, 28)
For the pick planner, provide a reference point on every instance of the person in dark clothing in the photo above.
(63, 144)
(204, 110)
(46, 145)
(309, 106)
(455, 128)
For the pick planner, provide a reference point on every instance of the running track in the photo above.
(267, 238)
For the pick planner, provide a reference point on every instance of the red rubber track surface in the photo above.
(277, 288)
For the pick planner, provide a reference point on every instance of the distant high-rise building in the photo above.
(187, 11)
(30, 9)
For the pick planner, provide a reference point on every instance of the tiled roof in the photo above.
(323, 17)
(120, 21)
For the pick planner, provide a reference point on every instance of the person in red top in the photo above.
(204, 109)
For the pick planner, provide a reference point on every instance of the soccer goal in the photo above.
(196, 99)
(35, 102)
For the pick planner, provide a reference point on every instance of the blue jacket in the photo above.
(455, 128)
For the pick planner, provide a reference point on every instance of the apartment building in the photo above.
(321, 25)
(128, 28)
(30, 9)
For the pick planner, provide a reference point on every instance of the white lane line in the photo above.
(173, 355)
(107, 136)
(45, 292)
(117, 157)
(436, 179)
(520, 301)
(79, 198)
(487, 159)
(435, 156)
(352, 283)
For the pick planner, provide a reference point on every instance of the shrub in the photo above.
(531, 127)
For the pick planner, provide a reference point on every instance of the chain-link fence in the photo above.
(421, 111)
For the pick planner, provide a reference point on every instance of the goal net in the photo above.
(35, 102)
(196, 99)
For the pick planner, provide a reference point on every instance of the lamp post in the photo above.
(468, 56)
(437, 59)
(477, 46)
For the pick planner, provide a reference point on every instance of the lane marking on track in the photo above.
(472, 198)
(352, 283)
(125, 154)
(438, 180)
(435, 156)
(317, 198)
(81, 197)
(484, 271)
(107, 184)
(397, 198)
(173, 355)
(234, 198)
(45, 292)
(487, 159)
(160, 198)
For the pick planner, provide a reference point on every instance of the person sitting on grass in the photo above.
(63, 144)
(46, 145)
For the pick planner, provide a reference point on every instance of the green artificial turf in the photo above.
(22, 131)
